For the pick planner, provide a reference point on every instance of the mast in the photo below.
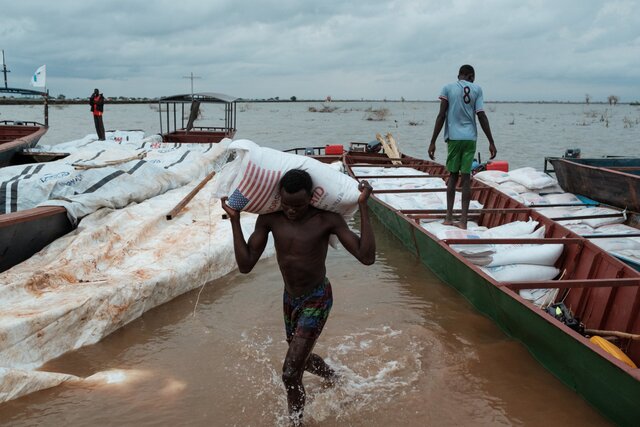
(4, 70)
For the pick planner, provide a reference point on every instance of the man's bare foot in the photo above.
(460, 224)
(447, 222)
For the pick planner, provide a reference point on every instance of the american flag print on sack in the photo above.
(252, 194)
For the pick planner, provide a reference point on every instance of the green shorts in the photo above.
(460, 156)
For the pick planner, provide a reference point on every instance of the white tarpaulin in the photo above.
(113, 173)
(115, 266)
(123, 259)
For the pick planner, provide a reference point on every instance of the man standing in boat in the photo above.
(460, 102)
(96, 101)
(301, 233)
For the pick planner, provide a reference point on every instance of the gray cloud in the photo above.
(535, 50)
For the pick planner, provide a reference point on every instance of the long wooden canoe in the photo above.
(17, 136)
(600, 290)
(611, 180)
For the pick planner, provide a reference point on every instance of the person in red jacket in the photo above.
(96, 101)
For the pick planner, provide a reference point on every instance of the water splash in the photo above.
(376, 366)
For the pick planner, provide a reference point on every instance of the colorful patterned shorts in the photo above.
(305, 316)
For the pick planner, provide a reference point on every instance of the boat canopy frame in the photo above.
(29, 92)
(169, 120)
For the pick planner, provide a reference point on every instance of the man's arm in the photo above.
(484, 124)
(247, 253)
(437, 127)
(363, 247)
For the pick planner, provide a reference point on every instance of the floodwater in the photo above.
(410, 349)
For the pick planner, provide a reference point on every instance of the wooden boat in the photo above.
(16, 135)
(24, 233)
(170, 118)
(601, 291)
(611, 180)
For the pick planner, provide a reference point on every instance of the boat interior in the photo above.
(600, 290)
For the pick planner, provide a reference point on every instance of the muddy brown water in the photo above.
(411, 351)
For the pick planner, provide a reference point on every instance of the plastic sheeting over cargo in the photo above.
(115, 266)
(125, 168)
(123, 259)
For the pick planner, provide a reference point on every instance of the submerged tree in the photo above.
(613, 99)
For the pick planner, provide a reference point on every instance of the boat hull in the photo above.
(615, 182)
(602, 291)
(15, 138)
(24, 233)
(559, 349)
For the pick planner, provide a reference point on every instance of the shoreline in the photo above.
(55, 101)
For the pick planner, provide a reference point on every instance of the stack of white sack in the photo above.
(566, 213)
(251, 180)
(527, 186)
(508, 262)
(417, 200)
(112, 173)
(621, 244)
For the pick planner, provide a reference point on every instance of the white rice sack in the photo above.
(377, 170)
(531, 198)
(599, 222)
(529, 254)
(616, 229)
(443, 232)
(614, 244)
(479, 259)
(580, 229)
(251, 180)
(513, 194)
(554, 189)
(562, 199)
(531, 178)
(513, 229)
(496, 177)
(512, 186)
(540, 297)
(561, 212)
(521, 272)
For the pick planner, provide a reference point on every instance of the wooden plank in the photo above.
(579, 283)
(571, 218)
(387, 165)
(398, 176)
(172, 214)
(515, 241)
(416, 190)
(418, 212)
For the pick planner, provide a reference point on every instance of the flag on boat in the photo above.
(39, 77)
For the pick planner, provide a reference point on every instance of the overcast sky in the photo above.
(521, 50)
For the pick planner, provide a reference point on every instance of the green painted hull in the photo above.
(610, 389)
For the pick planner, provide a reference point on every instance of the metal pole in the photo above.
(4, 71)
(46, 108)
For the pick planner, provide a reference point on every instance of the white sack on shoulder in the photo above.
(251, 180)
